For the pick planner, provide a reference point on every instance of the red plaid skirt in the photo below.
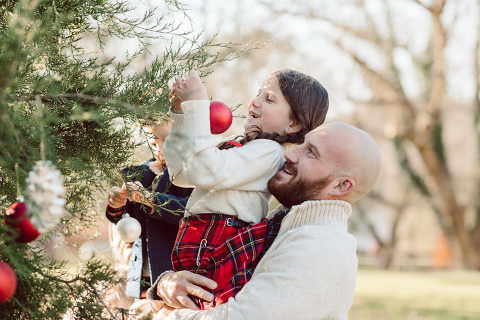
(218, 247)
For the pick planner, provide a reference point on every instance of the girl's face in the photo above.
(269, 110)
(157, 137)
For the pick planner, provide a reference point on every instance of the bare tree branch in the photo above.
(404, 102)
(422, 5)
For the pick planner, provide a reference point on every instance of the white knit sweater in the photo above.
(309, 273)
(231, 182)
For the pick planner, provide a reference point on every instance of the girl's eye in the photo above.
(269, 100)
(310, 151)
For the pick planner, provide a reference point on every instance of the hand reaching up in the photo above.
(190, 87)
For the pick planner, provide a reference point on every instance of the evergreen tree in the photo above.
(60, 104)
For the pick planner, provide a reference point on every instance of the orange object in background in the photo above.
(442, 254)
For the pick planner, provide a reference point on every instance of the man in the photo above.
(150, 253)
(309, 272)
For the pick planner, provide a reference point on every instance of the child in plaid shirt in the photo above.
(230, 179)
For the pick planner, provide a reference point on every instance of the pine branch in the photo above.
(84, 97)
(86, 281)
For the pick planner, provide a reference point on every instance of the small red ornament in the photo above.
(17, 220)
(8, 282)
(220, 117)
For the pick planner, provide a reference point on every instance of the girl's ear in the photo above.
(294, 127)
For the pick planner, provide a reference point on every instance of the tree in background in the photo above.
(381, 38)
(59, 103)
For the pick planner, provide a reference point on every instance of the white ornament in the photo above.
(45, 186)
(128, 228)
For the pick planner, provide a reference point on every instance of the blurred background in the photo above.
(408, 73)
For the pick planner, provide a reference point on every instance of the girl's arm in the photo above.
(204, 165)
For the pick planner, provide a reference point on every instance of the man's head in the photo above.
(337, 161)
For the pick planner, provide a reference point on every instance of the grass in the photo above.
(429, 295)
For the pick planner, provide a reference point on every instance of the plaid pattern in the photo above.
(227, 255)
(198, 236)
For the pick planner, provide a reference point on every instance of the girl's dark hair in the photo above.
(308, 100)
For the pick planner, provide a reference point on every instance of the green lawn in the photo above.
(434, 295)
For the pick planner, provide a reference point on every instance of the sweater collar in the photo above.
(324, 212)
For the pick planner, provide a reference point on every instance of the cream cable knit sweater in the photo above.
(309, 273)
(231, 182)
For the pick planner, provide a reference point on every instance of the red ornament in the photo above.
(8, 282)
(220, 117)
(17, 220)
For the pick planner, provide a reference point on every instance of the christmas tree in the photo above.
(60, 104)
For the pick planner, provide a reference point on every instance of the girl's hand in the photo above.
(117, 198)
(137, 193)
(190, 87)
(175, 101)
(156, 167)
(163, 313)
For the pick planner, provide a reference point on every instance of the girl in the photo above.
(230, 179)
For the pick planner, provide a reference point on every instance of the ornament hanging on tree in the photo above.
(220, 117)
(17, 219)
(45, 186)
(128, 228)
(43, 209)
(8, 282)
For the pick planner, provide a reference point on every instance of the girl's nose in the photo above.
(255, 103)
(291, 155)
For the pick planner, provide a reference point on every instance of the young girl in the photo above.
(231, 180)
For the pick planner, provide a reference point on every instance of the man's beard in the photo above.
(297, 190)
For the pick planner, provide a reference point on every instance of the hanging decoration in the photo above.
(8, 282)
(128, 228)
(45, 186)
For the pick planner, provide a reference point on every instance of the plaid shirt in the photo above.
(228, 255)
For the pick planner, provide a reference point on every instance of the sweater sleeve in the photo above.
(204, 165)
(308, 274)
(172, 150)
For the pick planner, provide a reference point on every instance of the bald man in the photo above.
(309, 270)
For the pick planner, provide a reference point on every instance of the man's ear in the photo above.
(344, 186)
(294, 127)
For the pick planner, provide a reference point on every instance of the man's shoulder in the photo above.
(318, 238)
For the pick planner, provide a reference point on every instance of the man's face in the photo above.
(307, 174)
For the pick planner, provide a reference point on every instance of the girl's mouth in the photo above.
(253, 115)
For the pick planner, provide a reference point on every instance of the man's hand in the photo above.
(137, 193)
(117, 198)
(175, 287)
